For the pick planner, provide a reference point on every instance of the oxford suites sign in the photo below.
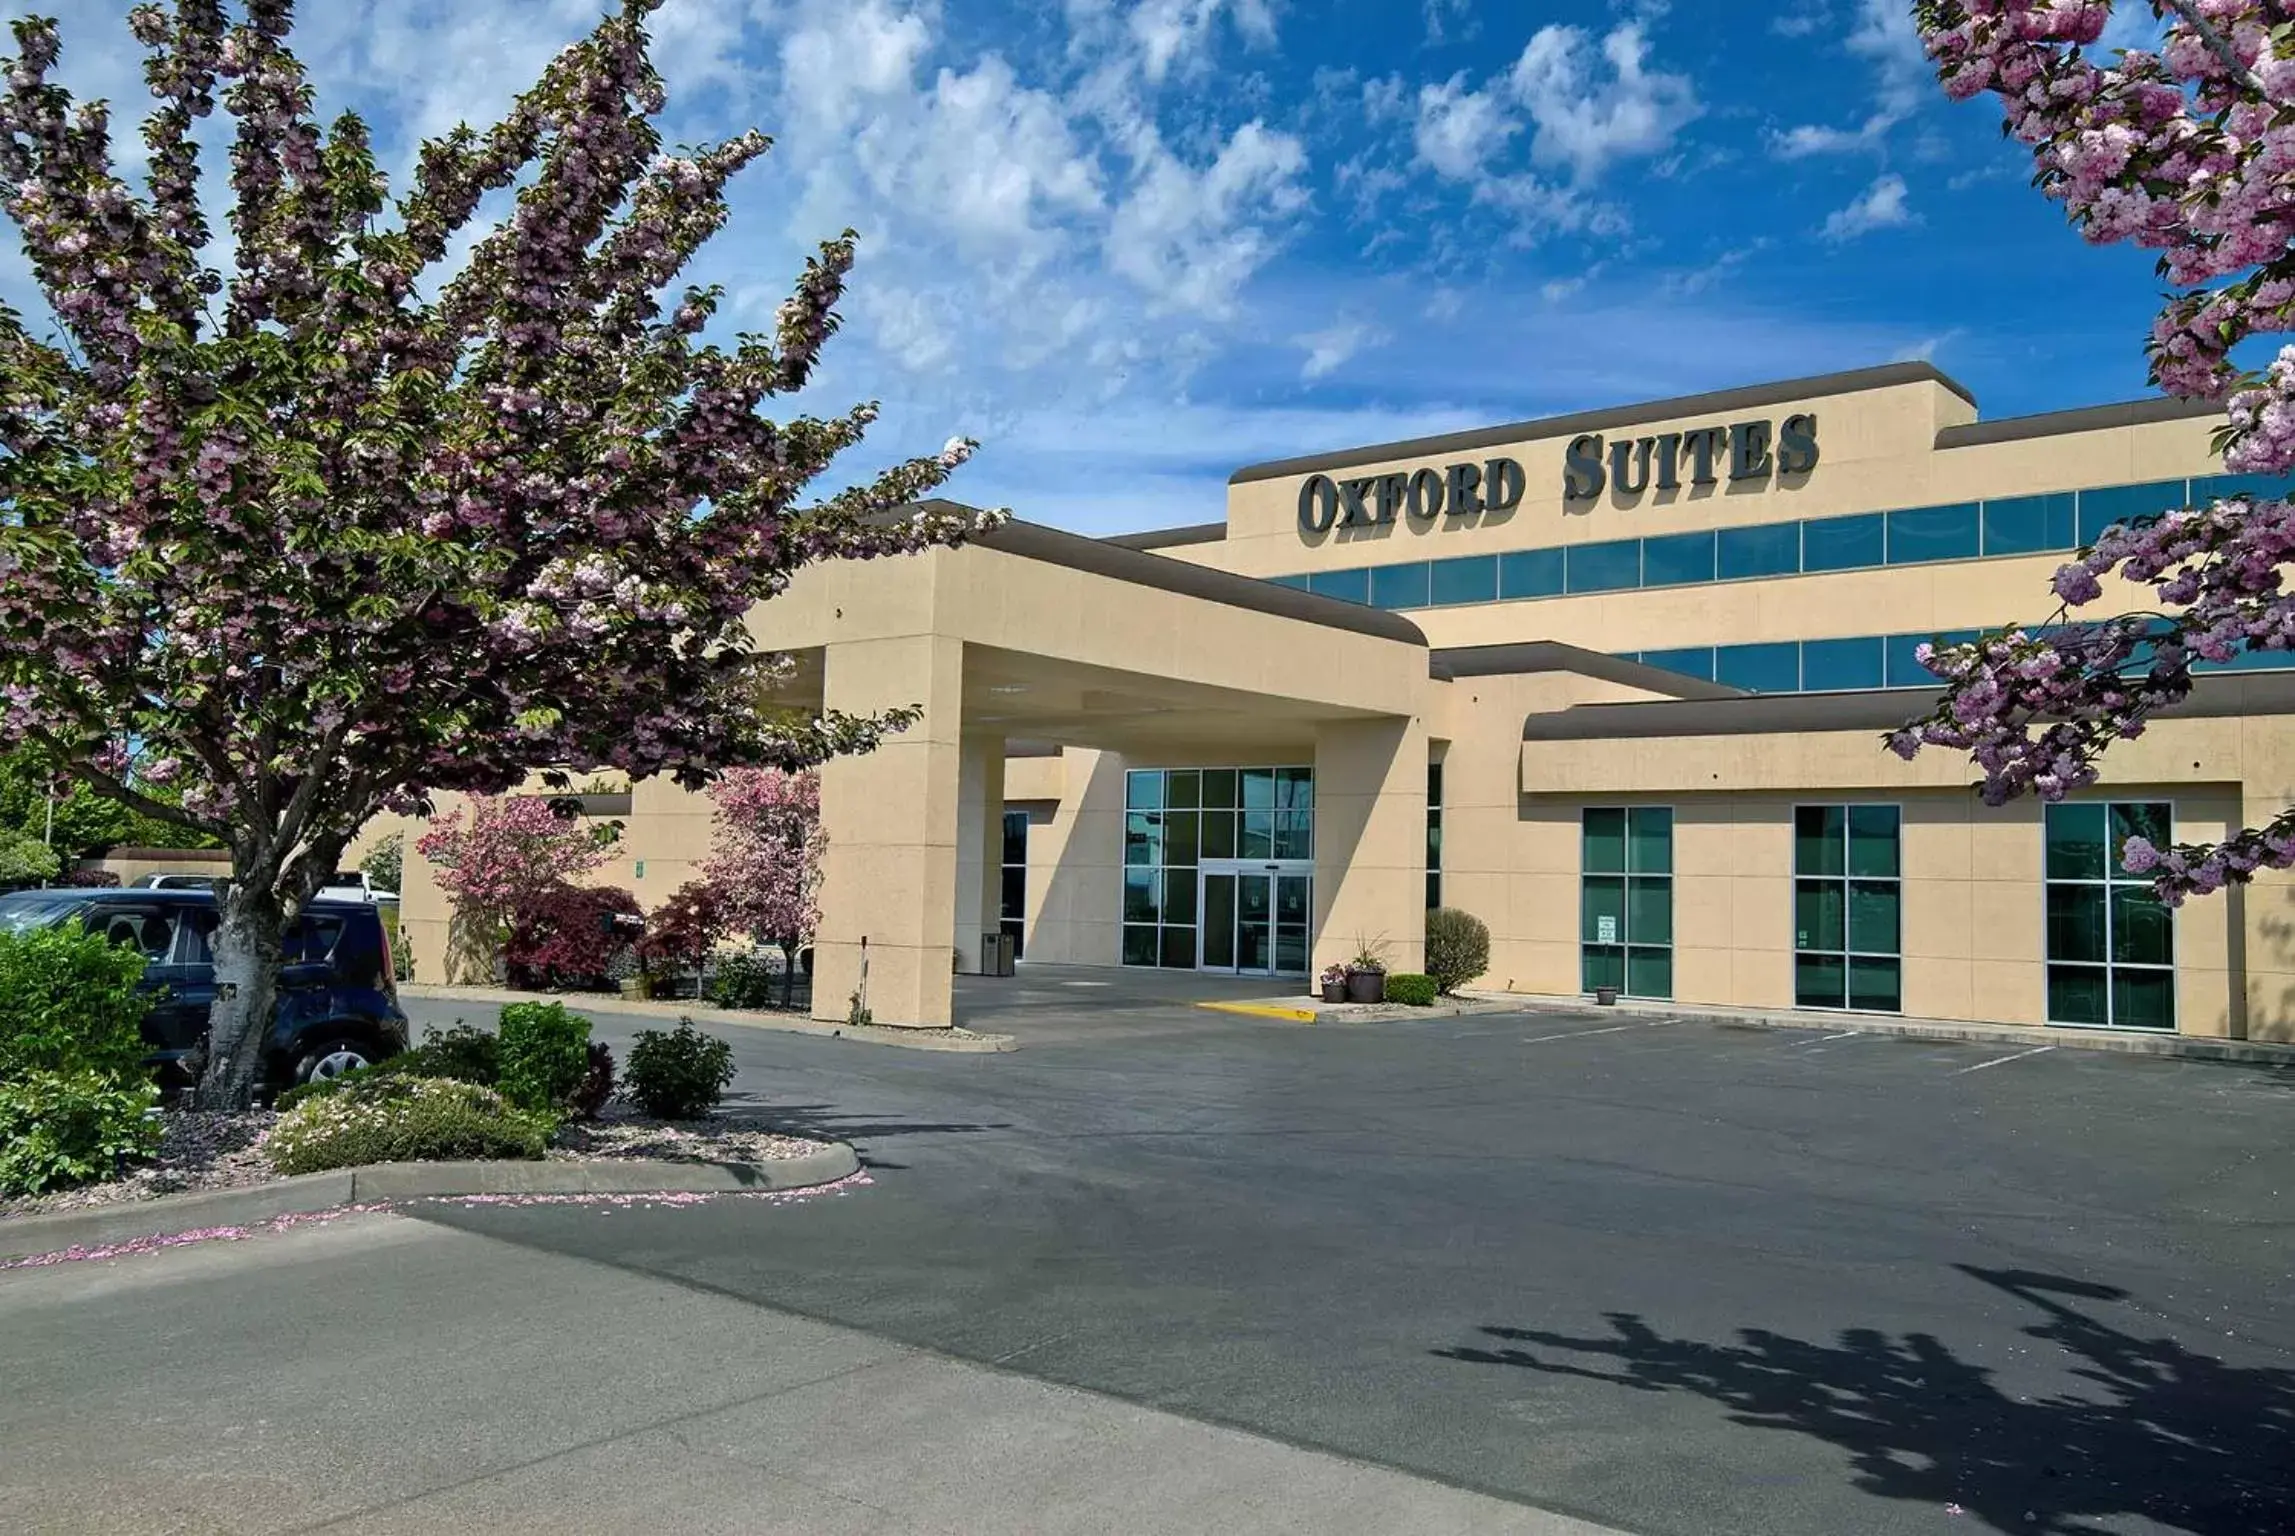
(1739, 452)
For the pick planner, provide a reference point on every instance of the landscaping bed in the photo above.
(199, 1152)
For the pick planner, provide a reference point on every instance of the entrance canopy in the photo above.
(1035, 635)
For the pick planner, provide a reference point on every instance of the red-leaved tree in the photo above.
(765, 862)
(362, 504)
(513, 852)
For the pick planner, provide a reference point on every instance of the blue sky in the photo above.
(1134, 244)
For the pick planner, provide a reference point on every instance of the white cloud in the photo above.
(1189, 238)
(1880, 206)
(1459, 130)
(1584, 121)
(1801, 23)
(1330, 350)
(1450, 21)
(1884, 36)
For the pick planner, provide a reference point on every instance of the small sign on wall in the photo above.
(1605, 930)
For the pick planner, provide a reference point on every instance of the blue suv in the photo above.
(337, 1007)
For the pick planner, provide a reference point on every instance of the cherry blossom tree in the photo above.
(765, 864)
(2188, 150)
(515, 851)
(364, 499)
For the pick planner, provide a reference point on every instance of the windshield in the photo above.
(28, 910)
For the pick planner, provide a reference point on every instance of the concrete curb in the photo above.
(918, 1039)
(2182, 1047)
(1304, 1010)
(26, 1236)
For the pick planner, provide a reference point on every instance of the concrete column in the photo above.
(891, 821)
(979, 844)
(1370, 841)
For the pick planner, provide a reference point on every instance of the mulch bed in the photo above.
(224, 1151)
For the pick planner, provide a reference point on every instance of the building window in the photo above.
(1625, 901)
(1013, 918)
(2111, 941)
(1848, 926)
(1433, 836)
(1176, 819)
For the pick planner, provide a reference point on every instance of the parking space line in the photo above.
(1846, 1034)
(2038, 1050)
(1579, 1034)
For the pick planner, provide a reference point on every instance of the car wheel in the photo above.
(332, 1058)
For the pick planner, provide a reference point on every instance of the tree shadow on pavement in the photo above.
(825, 1122)
(2166, 1434)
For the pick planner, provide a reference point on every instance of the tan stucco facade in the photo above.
(1052, 670)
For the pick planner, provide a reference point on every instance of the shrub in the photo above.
(565, 937)
(597, 1084)
(69, 1003)
(466, 1054)
(392, 1118)
(748, 978)
(61, 1128)
(1457, 947)
(25, 860)
(91, 879)
(463, 1054)
(677, 1074)
(545, 1054)
(1411, 988)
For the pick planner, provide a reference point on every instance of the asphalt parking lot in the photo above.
(1677, 1278)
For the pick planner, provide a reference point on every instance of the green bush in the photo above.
(545, 1054)
(1457, 947)
(69, 1003)
(462, 1053)
(596, 1086)
(1411, 988)
(62, 1128)
(392, 1118)
(744, 979)
(677, 1074)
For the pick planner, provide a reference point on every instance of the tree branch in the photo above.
(307, 793)
(112, 789)
(2217, 44)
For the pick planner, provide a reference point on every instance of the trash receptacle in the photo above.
(996, 954)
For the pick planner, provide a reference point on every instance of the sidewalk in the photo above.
(442, 1381)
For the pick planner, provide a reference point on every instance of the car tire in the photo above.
(334, 1056)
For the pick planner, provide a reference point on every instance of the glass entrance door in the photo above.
(1255, 919)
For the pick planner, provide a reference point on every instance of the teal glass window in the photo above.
(1769, 549)
(1843, 543)
(1530, 573)
(2214, 487)
(1773, 668)
(1433, 836)
(1611, 567)
(1848, 921)
(2111, 940)
(2100, 509)
(1348, 586)
(1399, 586)
(1473, 579)
(1678, 559)
(1625, 900)
(1934, 533)
(1296, 583)
(1696, 660)
(1829, 666)
(2025, 525)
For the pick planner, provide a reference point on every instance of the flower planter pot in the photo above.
(1366, 986)
(636, 986)
(1605, 997)
(1334, 991)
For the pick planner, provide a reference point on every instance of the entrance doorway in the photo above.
(1255, 917)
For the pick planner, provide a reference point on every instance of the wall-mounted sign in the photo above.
(1751, 449)
(1463, 490)
(1745, 450)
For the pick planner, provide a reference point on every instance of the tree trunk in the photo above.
(247, 947)
(788, 974)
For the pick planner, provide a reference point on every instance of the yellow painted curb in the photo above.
(1264, 1011)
